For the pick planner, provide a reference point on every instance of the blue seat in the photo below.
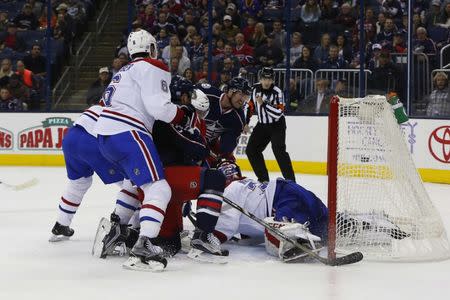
(438, 33)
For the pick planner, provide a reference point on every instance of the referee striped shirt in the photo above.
(272, 108)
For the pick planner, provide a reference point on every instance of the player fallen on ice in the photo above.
(291, 208)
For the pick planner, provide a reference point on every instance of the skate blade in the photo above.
(103, 228)
(135, 264)
(58, 238)
(185, 242)
(205, 257)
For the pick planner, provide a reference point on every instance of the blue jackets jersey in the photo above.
(223, 127)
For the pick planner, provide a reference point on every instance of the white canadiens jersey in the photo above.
(253, 196)
(137, 96)
(89, 118)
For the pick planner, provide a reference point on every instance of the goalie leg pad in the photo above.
(276, 246)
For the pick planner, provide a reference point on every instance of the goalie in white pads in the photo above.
(286, 205)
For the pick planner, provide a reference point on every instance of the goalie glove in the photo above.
(284, 250)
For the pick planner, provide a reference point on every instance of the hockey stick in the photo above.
(344, 260)
(22, 186)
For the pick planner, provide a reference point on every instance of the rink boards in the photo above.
(34, 139)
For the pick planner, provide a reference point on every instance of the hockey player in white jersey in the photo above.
(137, 96)
(82, 157)
(291, 208)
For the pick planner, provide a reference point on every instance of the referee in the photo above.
(268, 102)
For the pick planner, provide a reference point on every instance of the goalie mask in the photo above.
(231, 171)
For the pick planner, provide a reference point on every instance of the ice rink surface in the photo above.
(33, 268)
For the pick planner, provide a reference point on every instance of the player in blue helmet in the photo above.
(180, 89)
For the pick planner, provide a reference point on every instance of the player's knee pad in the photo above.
(127, 202)
(156, 197)
(76, 189)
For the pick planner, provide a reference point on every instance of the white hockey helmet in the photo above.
(200, 101)
(142, 41)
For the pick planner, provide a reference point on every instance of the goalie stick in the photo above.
(339, 261)
(22, 186)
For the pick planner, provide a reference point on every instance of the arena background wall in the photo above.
(34, 139)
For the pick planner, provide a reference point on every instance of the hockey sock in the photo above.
(127, 202)
(71, 199)
(156, 197)
(210, 200)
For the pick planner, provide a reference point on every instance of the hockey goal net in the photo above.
(377, 202)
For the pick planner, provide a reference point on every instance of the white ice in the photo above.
(33, 268)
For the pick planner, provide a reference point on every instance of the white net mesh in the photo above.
(383, 209)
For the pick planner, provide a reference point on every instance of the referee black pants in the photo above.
(261, 136)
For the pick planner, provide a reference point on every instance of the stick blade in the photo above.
(346, 260)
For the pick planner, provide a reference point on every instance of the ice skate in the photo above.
(205, 247)
(145, 257)
(60, 233)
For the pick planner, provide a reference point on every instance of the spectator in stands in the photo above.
(174, 64)
(328, 11)
(37, 7)
(433, 16)
(445, 16)
(205, 25)
(341, 88)
(345, 17)
(202, 75)
(76, 10)
(219, 49)
(19, 90)
(63, 30)
(8, 102)
(229, 29)
(188, 40)
(4, 50)
(115, 67)
(370, 27)
(4, 20)
(386, 36)
(322, 51)
(334, 61)
(224, 78)
(294, 94)
(393, 9)
(251, 9)
(196, 50)
(26, 75)
(162, 40)
(374, 61)
(232, 11)
(319, 101)
(69, 22)
(169, 51)
(306, 61)
(269, 55)
(423, 44)
(243, 51)
(175, 8)
(296, 47)
(5, 72)
(310, 12)
(228, 53)
(189, 19)
(399, 44)
(35, 62)
(385, 76)
(249, 29)
(162, 22)
(189, 75)
(183, 61)
(380, 22)
(148, 17)
(438, 102)
(279, 34)
(228, 66)
(97, 88)
(258, 37)
(12, 40)
(26, 20)
(345, 49)
(43, 20)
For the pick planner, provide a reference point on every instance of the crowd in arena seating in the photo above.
(23, 25)
(248, 35)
